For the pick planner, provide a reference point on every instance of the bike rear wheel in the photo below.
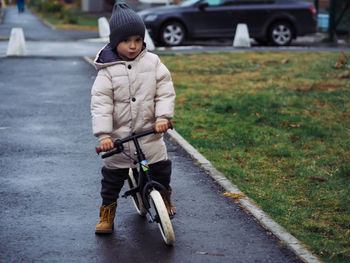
(161, 216)
(136, 199)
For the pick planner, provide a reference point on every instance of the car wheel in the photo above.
(172, 34)
(281, 34)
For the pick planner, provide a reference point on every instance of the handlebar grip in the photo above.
(98, 149)
(108, 154)
(170, 125)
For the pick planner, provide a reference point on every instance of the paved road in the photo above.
(49, 183)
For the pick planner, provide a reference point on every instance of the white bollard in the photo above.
(103, 27)
(149, 42)
(17, 45)
(242, 38)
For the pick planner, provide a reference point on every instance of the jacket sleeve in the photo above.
(102, 105)
(165, 94)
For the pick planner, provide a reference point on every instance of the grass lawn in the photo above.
(278, 126)
(69, 19)
(83, 21)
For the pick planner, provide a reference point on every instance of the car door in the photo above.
(212, 18)
(254, 13)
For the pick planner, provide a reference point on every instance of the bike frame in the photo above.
(145, 183)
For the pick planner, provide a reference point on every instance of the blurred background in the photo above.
(333, 16)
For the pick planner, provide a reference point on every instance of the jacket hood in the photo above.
(107, 57)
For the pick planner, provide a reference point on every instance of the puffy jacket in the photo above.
(130, 96)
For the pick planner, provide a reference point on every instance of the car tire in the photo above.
(172, 34)
(281, 34)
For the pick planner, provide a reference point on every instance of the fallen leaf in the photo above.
(271, 62)
(291, 124)
(342, 61)
(283, 61)
(294, 125)
(234, 195)
(345, 114)
(345, 75)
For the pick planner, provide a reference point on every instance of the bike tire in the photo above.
(162, 217)
(136, 199)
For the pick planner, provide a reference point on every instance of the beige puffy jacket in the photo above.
(130, 96)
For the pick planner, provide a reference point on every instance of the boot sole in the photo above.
(104, 231)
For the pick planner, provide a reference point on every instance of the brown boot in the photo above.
(106, 223)
(170, 207)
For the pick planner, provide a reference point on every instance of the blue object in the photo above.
(323, 22)
(20, 5)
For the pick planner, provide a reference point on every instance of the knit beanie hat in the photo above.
(124, 22)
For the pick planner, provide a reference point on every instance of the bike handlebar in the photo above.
(118, 144)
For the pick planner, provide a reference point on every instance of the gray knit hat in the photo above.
(124, 22)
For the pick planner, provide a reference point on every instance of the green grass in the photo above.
(69, 18)
(278, 126)
(82, 20)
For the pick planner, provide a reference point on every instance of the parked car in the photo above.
(276, 22)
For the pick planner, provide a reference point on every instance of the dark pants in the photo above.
(20, 5)
(113, 179)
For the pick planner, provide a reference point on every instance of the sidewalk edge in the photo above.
(42, 19)
(265, 220)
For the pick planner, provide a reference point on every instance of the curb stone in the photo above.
(52, 27)
(248, 205)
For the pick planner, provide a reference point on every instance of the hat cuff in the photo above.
(116, 37)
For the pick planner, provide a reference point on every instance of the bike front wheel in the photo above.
(161, 216)
(136, 199)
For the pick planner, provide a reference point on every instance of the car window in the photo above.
(188, 2)
(228, 2)
(220, 2)
(214, 2)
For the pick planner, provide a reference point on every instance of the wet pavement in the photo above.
(50, 181)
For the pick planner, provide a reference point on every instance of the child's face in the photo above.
(130, 48)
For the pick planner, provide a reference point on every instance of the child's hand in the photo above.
(161, 126)
(106, 144)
